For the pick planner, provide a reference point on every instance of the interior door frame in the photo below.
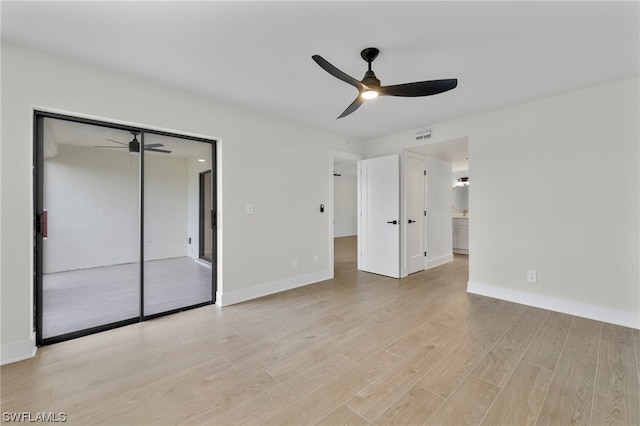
(203, 215)
(405, 196)
(39, 114)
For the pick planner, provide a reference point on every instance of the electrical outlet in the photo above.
(296, 262)
(532, 276)
(248, 208)
(315, 259)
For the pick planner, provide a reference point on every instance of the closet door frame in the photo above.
(39, 231)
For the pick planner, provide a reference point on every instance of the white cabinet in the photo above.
(461, 235)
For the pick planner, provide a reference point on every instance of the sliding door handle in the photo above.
(395, 222)
(42, 224)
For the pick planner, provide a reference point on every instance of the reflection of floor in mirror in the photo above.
(84, 298)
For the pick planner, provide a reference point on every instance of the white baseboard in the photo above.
(231, 298)
(18, 351)
(584, 310)
(432, 263)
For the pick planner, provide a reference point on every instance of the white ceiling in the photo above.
(258, 54)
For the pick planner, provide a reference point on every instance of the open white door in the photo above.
(379, 206)
(415, 176)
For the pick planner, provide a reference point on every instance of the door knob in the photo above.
(412, 221)
(395, 222)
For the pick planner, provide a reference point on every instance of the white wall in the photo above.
(567, 169)
(280, 166)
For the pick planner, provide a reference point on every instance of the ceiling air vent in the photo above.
(423, 134)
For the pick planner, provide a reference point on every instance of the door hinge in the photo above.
(425, 254)
(425, 212)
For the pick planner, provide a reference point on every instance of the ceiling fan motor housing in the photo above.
(370, 80)
(369, 54)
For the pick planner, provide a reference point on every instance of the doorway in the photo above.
(117, 225)
(344, 228)
(205, 216)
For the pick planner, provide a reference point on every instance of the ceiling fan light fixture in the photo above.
(369, 87)
(369, 94)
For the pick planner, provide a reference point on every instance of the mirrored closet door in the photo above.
(119, 225)
(175, 275)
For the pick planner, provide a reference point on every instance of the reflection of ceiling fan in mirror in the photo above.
(134, 145)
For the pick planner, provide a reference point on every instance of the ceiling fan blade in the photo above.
(354, 106)
(121, 143)
(157, 150)
(153, 145)
(325, 65)
(109, 146)
(420, 88)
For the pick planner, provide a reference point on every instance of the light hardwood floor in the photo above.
(359, 349)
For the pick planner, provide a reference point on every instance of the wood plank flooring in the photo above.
(360, 349)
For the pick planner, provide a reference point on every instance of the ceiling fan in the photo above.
(134, 145)
(369, 87)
